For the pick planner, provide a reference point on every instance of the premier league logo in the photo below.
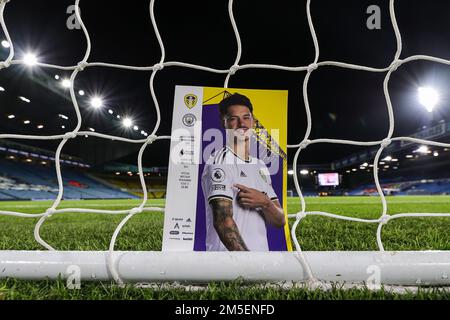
(218, 175)
(190, 100)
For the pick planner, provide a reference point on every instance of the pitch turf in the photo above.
(75, 231)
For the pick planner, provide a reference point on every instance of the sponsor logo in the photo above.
(218, 175)
(216, 187)
(189, 120)
(190, 100)
(174, 232)
(243, 175)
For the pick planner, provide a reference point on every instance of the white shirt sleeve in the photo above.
(269, 188)
(270, 192)
(218, 181)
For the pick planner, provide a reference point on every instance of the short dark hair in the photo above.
(232, 100)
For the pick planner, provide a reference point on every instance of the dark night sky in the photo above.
(345, 104)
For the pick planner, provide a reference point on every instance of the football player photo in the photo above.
(237, 187)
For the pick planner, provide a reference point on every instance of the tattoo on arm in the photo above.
(225, 226)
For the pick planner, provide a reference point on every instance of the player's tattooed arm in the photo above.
(225, 225)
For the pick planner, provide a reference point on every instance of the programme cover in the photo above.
(228, 147)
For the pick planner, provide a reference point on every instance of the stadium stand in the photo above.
(156, 189)
(23, 181)
(417, 187)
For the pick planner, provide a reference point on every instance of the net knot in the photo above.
(312, 67)
(158, 66)
(135, 211)
(304, 144)
(386, 142)
(151, 138)
(395, 64)
(70, 135)
(300, 215)
(4, 64)
(385, 219)
(81, 66)
(50, 211)
(233, 69)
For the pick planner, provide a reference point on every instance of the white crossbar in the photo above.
(405, 268)
(318, 266)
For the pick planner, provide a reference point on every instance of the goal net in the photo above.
(401, 268)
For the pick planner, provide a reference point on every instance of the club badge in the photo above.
(190, 100)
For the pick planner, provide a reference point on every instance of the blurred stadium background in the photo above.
(345, 104)
(28, 173)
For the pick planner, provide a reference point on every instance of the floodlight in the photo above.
(5, 44)
(24, 99)
(136, 128)
(110, 111)
(388, 158)
(30, 59)
(428, 97)
(127, 122)
(290, 172)
(40, 126)
(96, 102)
(423, 150)
(435, 153)
(27, 122)
(2, 89)
(304, 172)
(11, 116)
(81, 92)
(66, 83)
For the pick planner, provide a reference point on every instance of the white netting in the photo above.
(83, 64)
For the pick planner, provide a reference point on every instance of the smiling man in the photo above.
(237, 187)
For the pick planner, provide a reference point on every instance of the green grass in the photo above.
(75, 231)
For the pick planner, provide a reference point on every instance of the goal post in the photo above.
(407, 268)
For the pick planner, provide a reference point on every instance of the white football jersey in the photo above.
(222, 171)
